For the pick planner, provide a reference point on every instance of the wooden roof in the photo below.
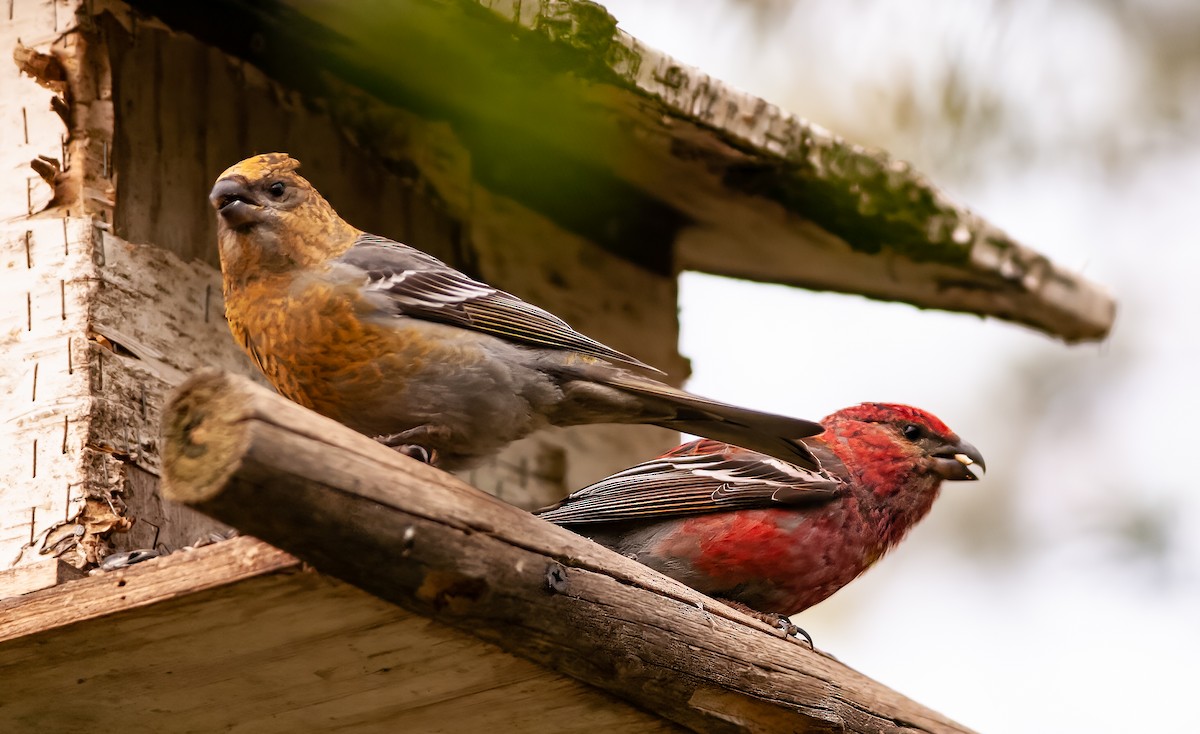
(657, 161)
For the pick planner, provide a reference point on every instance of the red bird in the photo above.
(771, 537)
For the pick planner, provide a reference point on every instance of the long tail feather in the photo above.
(767, 433)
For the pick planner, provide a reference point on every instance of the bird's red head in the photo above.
(893, 412)
(903, 432)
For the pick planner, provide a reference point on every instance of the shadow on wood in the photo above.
(421, 539)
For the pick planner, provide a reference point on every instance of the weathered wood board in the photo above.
(238, 637)
(47, 278)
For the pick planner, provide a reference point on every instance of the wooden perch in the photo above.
(421, 539)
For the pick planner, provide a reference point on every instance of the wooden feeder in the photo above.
(533, 145)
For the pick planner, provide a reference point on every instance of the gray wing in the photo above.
(411, 283)
(717, 478)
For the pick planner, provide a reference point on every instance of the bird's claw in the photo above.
(398, 441)
(790, 630)
(778, 621)
(420, 453)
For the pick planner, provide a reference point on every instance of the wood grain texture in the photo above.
(418, 537)
(35, 576)
(47, 276)
(139, 586)
(45, 389)
(237, 637)
(111, 327)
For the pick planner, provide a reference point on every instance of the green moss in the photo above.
(860, 198)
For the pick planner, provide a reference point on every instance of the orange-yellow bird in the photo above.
(397, 345)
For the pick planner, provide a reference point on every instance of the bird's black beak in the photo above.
(958, 462)
(236, 206)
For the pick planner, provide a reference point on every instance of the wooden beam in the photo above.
(419, 538)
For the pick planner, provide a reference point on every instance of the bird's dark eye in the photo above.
(912, 431)
(276, 189)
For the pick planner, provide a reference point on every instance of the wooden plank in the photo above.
(235, 637)
(36, 576)
(416, 536)
(139, 586)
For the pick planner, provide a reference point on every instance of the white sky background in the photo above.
(1062, 593)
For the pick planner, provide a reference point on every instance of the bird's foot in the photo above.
(778, 621)
(416, 443)
(788, 629)
(399, 442)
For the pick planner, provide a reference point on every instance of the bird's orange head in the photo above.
(269, 218)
